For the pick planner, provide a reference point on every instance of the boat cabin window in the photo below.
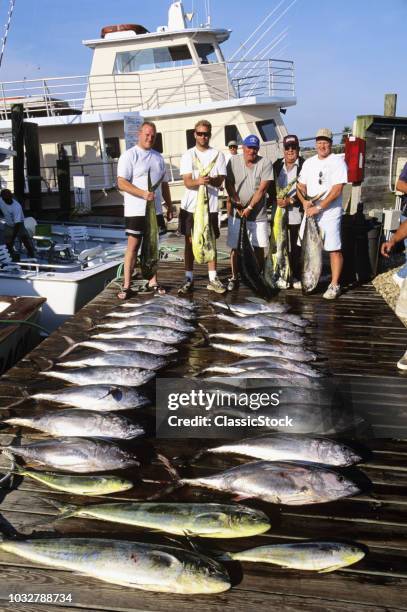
(112, 147)
(158, 142)
(232, 133)
(190, 138)
(206, 53)
(152, 59)
(267, 130)
(67, 150)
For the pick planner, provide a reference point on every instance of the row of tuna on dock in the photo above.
(130, 346)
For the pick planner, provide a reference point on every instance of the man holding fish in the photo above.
(283, 191)
(248, 178)
(137, 168)
(319, 189)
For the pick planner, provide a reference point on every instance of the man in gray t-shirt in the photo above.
(247, 181)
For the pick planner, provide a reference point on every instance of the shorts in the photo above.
(258, 232)
(330, 228)
(186, 222)
(135, 226)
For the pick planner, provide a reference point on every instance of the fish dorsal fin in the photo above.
(256, 300)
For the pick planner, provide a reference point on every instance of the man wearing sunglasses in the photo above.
(201, 156)
(248, 178)
(286, 171)
(324, 175)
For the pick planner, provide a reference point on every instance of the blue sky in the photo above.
(347, 54)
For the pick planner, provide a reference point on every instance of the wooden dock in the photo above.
(362, 340)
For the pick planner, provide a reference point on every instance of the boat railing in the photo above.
(124, 92)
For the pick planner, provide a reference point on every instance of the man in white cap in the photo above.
(325, 174)
(233, 149)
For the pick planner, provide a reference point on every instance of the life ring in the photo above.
(123, 27)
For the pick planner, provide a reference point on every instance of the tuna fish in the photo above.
(80, 423)
(150, 567)
(132, 359)
(322, 556)
(258, 335)
(132, 309)
(280, 483)
(286, 447)
(311, 256)
(130, 377)
(149, 346)
(206, 520)
(154, 320)
(102, 398)
(81, 455)
(160, 334)
(261, 320)
(248, 264)
(78, 485)
(260, 349)
(252, 308)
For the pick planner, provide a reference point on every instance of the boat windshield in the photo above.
(153, 58)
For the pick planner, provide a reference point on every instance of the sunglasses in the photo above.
(233, 147)
(205, 134)
(290, 148)
(320, 179)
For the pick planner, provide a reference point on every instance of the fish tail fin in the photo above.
(65, 510)
(71, 345)
(169, 466)
(205, 334)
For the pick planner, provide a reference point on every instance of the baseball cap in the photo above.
(252, 141)
(232, 143)
(324, 133)
(291, 140)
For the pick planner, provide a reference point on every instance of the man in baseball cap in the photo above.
(247, 180)
(291, 141)
(286, 170)
(322, 178)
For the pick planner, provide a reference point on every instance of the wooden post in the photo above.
(64, 184)
(17, 133)
(390, 104)
(32, 152)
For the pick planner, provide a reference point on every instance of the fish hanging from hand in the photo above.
(248, 266)
(149, 248)
(203, 235)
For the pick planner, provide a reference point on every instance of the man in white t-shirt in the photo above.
(132, 178)
(325, 174)
(14, 220)
(189, 170)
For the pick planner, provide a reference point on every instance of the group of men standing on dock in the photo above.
(250, 180)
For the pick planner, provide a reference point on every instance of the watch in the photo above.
(318, 207)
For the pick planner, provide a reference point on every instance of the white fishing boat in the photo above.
(173, 76)
(74, 264)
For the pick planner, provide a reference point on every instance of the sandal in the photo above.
(157, 289)
(127, 293)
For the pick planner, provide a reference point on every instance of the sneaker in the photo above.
(296, 284)
(332, 292)
(187, 287)
(398, 279)
(233, 284)
(402, 364)
(216, 286)
(282, 284)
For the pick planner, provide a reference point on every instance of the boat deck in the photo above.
(361, 339)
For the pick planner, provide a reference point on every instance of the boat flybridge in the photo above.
(173, 76)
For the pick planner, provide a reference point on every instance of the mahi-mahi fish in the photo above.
(150, 567)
